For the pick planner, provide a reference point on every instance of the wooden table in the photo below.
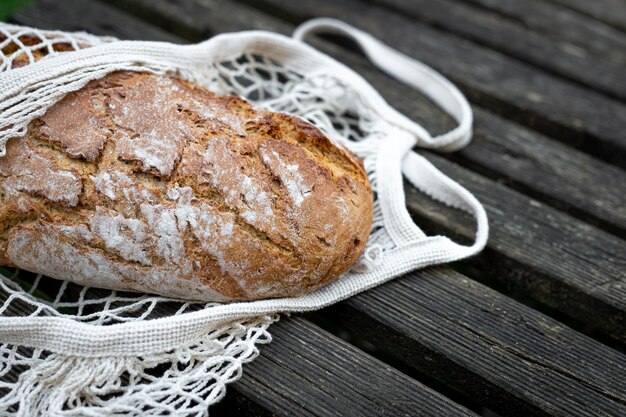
(536, 324)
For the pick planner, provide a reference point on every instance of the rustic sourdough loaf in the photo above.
(148, 183)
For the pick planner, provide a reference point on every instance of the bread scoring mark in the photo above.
(69, 130)
(126, 192)
(244, 220)
(154, 151)
(161, 219)
(125, 236)
(214, 230)
(294, 182)
(56, 154)
(237, 188)
(338, 160)
(29, 172)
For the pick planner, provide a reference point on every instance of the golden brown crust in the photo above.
(149, 183)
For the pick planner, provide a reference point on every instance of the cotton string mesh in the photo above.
(190, 378)
(195, 349)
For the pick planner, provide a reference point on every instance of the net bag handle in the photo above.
(419, 171)
(411, 72)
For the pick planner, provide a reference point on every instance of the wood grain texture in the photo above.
(103, 20)
(503, 354)
(512, 38)
(537, 250)
(531, 267)
(611, 12)
(196, 19)
(568, 26)
(308, 372)
(577, 116)
(553, 173)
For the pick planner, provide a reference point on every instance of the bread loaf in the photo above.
(148, 183)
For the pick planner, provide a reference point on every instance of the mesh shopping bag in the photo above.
(67, 349)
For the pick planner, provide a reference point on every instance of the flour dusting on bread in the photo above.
(25, 171)
(292, 179)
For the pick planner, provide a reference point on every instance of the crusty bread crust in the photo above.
(148, 183)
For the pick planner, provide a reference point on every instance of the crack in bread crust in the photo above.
(172, 179)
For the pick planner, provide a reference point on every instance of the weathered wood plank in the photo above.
(512, 38)
(575, 115)
(49, 14)
(308, 372)
(574, 280)
(555, 174)
(196, 18)
(611, 12)
(236, 404)
(480, 343)
(539, 251)
(553, 20)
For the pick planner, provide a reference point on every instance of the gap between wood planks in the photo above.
(611, 12)
(557, 22)
(536, 257)
(576, 63)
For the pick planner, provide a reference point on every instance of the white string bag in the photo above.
(69, 350)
